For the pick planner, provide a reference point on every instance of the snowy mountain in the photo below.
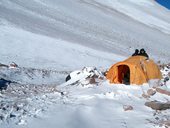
(55, 37)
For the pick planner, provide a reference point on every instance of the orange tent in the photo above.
(137, 69)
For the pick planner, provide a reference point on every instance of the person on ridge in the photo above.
(136, 53)
(143, 53)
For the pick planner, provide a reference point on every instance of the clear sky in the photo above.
(165, 3)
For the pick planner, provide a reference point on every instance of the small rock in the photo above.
(12, 115)
(127, 107)
(156, 118)
(145, 96)
(1, 117)
(62, 93)
(151, 92)
(92, 80)
(4, 109)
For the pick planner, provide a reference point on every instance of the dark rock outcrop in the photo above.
(156, 105)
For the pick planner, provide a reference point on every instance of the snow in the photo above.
(97, 106)
(146, 10)
(79, 105)
(38, 54)
(49, 40)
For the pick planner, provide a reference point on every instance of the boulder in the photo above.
(162, 91)
(156, 105)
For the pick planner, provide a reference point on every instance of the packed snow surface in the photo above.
(90, 106)
(78, 104)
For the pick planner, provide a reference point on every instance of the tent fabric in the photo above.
(140, 70)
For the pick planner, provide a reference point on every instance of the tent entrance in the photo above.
(124, 74)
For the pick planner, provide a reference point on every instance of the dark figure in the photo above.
(68, 78)
(4, 83)
(143, 53)
(126, 78)
(136, 53)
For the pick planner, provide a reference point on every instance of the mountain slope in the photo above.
(105, 26)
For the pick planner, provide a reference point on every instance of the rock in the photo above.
(127, 107)
(167, 123)
(156, 118)
(169, 74)
(151, 92)
(88, 75)
(162, 91)
(13, 65)
(1, 117)
(68, 78)
(92, 80)
(12, 115)
(145, 96)
(158, 105)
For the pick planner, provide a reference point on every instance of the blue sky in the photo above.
(165, 3)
